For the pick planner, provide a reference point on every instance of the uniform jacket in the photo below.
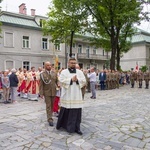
(140, 76)
(48, 83)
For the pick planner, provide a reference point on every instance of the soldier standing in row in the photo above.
(133, 77)
(147, 78)
(140, 78)
(107, 80)
(117, 79)
(113, 80)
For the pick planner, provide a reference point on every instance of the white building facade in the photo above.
(22, 45)
(139, 53)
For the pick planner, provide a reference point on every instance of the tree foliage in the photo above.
(66, 17)
(112, 21)
(144, 68)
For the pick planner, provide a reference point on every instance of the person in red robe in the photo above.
(23, 82)
(33, 84)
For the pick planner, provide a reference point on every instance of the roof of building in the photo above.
(140, 38)
(18, 20)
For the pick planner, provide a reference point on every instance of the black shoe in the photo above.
(51, 124)
(79, 132)
(91, 97)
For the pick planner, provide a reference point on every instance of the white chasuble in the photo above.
(71, 95)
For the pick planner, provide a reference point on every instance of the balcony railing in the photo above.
(92, 56)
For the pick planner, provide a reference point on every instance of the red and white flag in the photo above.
(137, 67)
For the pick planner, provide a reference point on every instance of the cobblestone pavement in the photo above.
(118, 119)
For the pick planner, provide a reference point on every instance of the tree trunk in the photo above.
(113, 52)
(71, 43)
(118, 58)
(112, 60)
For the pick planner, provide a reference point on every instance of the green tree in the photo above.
(124, 43)
(66, 17)
(144, 68)
(111, 20)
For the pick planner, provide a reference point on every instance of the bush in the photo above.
(144, 68)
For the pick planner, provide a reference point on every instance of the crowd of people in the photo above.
(25, 83)
(64, 88)
(20, 82)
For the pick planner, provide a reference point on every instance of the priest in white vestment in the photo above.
(71, 100)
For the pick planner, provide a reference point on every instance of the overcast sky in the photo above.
(41, 7)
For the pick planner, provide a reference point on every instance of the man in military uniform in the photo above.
(47, 89)
(113, 79)
(107, 80)
(117, 78)
(147, 78)
(140, 78)
(133, 77)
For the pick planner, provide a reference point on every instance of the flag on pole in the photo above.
(56, 62)
(137, 67)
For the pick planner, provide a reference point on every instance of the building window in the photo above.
(9, 64)
(41, 22)
(59, 65)
(87, 51)
(88, 66)
(57, 45)
(103, 52)
(73, 55)
(44, 43)
(94, 51)
(9, 39)
(74, 45)
(94, 65)
(26, 64)
(25, 41)
(79, 49)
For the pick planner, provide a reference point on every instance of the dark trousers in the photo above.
(102, 84)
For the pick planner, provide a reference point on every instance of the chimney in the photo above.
(23, 9)
(32, 12)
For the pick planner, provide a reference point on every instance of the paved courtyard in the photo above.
(118, 119)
